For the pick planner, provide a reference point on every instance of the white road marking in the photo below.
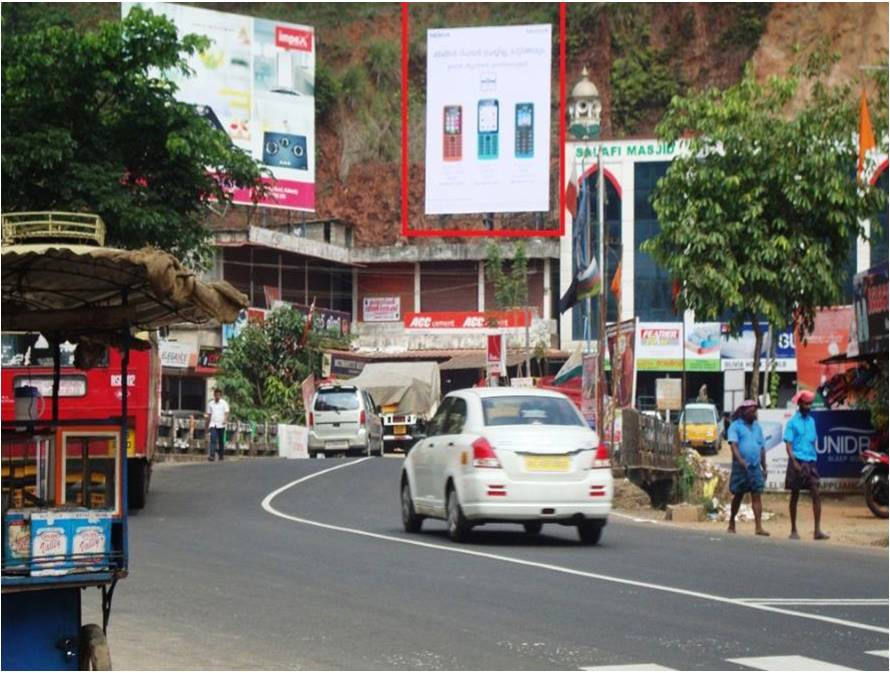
(628, 667)
(267, 505)
(858, 602)
(787, 664)
(880, 653)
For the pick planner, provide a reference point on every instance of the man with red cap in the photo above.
(748, 464)
(800, 442)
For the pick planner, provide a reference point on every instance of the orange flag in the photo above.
(616, 282)
(866, 134)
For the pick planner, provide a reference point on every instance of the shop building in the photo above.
(429, 300)
(631, 170)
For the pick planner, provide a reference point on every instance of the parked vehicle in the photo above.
(517, 455)
(344, 419)
(408, 394)
(88, 393)
(700, 427)
(650, 450)
(874, 482)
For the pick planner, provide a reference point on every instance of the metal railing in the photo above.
(52, 226)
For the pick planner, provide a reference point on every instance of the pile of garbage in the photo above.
(745, 513)
(708, 482)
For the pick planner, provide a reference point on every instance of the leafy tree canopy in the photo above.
(510, 288)
(758, 217)
(262, 368)
(90, 123)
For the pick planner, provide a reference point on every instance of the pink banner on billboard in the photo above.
(281, 194)
(829, 338)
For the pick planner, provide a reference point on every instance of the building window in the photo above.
(652, 284)
(587, 212)
(878, 244)
(184, 393)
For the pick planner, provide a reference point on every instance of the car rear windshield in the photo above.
(700, 416)
(529, 410)
(336, 400)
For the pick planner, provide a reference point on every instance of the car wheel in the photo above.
(590, 532)
(458, 526)
(313, 454)
(410, 519)
(533, 527)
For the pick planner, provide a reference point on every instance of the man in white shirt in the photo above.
(218, 417)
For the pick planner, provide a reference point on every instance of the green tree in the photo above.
(91, 123)
(510, 288)
(757, 218)
(262, 368)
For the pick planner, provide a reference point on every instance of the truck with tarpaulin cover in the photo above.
(408, 395)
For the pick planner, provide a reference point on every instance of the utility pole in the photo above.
(601, 347)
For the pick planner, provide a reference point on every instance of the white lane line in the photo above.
(858, 602)
(628, 667)
(267, 505)
(787, 664)
(880, 653)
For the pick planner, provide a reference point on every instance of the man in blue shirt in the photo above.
(748, 463)
(800, 442)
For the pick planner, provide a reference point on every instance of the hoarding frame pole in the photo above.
(601, 348)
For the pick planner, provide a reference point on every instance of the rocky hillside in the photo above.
(639, 56)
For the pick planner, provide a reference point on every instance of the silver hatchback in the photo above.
(344, 419)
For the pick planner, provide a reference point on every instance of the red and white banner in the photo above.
(465, 320)
(496, 356)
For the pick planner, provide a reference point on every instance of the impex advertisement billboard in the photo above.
(255, 82)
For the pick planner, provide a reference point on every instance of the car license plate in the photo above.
(337, 445)
(547, 463)
(399, 430)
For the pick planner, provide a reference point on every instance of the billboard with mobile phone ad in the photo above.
(488, 119)
(256, 82)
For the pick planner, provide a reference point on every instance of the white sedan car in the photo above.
(508, 455)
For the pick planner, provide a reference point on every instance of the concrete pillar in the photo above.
(416, 287)
(480, 301)
(548, 299)
(355, 295)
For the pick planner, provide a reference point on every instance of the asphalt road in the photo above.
(321, 576)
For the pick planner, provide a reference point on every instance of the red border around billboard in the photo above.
(481, 233)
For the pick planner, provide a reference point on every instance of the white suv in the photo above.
(344, 419)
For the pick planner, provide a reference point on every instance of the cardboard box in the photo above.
(16, 541)
(49, 543)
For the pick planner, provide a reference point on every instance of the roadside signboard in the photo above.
(669, 394)
(842, 434)
(381, 309)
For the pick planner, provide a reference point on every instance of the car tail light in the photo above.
(311, 419)
(601, 457)
(497, 490)
(361, 418)
(597, 491)
(484, 455)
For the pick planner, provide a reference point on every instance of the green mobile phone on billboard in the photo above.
(525, 130)
(487, 128)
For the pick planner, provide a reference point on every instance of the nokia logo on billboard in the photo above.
(293, 38)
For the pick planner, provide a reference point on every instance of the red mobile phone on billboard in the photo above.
(452, 136)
